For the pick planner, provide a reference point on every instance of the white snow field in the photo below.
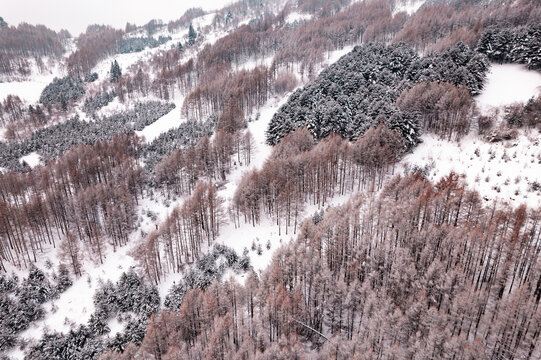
(28, 91)
(409, 6)
(296, 17)
(506, 171)
(33, 159)
(508, 84)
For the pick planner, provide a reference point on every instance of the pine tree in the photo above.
(115, 72)
(180, 47)
(192, 35)
(3, 23)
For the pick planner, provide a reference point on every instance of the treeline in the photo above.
(98, 42)
(300, 171)
(246, 90)
(517, 45)
(137, 44)
(130, 298)
(180, 238)
(421, 271)
(22, 302)
(440, 24)
(86, 199)
(445, 109)
(361, 90)
(52, 141)
(12, 109)
(185, 20)
(18, 44)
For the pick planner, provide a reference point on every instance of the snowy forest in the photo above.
(274, 179)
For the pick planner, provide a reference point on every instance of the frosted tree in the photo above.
(192, 35)
(115, 72)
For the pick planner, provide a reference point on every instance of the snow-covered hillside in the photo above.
(507, 171)
(165, 183)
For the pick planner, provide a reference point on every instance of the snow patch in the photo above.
(33, 159)
(168, 121)
(296, 17)
(409, 6)
(506, 171)
(507, 84)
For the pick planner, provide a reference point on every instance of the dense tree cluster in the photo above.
(172, 75)
(115, 73)
(246, 89)
(457, 64)
(522, 45)
(95, 102)
(130, 296)
(86, 199)
(54, 140)
(136, 302)
(421, 271)
(362, 21)
(361, 89)
(185, 135)
(528, 115)
(137, 44)
(300, 171)
(62, 91)
(17, 44)
(445, 109)
(12, 109)
(180, 237)
(90, 77)
(21, 303)
(94, 45)
(206, 269)
(440, 24)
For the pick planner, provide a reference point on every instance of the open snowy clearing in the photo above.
(296, 17)
(33, 159)
(28, 91)
(409, 6)
(507, 171)
(507, 84)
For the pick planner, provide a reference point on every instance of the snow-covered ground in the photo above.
(29, 89)
(296, 17)
(409, 6)
(169, 121)
(508, 84)
(33, 159)
(506, 171)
